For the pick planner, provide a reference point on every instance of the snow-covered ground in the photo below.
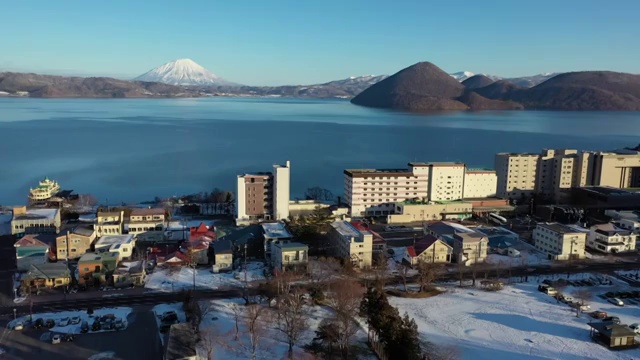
(168, 280)
(160, 309)
(518, 322)
(219, 324)
(118, 312)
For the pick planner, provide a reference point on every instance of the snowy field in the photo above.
(118, 312)
(518, 322)
(219, 324)
(177, 279)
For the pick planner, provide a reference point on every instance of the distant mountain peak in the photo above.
(462, 75)
(182, 72)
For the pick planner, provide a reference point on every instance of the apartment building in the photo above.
(109, 223)
(609, 238)
(479, 183)
(560, 242)
(35, 221)
(74, 243)
(147, 224)
(348, 242)
(446, 180)
(289, 255)
(619, 169)
(516, 174)
(263, 195)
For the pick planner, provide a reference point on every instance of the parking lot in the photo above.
(138, 341)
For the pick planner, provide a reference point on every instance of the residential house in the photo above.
(175, 259)
(129, 274)
(289, 255)
(74, 243)
(470, 248)
(429, 249)
(222, 253)
(123, 245)
(560, 242)
(35, 221)
(46, 275)
(612, 335)
(147, 224)
(274, 231)
(440, 229)
(109, 223)
(203, 232)
(197, 249)
(33, 249)
(609, 238)
(349, 242)
(181, 344)
(96, 267)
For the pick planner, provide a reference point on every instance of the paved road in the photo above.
(139, 341)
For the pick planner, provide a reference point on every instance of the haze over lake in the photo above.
(133, 150)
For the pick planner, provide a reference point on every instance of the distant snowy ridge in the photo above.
(182, 72)
(525, 81)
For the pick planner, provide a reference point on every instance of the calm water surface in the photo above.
(132, 150)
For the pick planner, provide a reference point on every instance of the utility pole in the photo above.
(245, 265)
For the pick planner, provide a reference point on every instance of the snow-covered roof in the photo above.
(276, 230)
(37, 214)
(110, 240)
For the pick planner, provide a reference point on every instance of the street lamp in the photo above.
(15, 293)
(14, 314)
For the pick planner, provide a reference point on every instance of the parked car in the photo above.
(84, 328)
(169, 316)
(566, 299)
(18, 326)
(616, 301)
(56, 339)
(550, 291)
(107, 324)
(583, 308)
(598, 314)
(68, 337)
(96, 325)
(118, 324)
(49, 323)
(613, 319)
(75, 320)
(63, 322)
(635, 327)
(38, 324)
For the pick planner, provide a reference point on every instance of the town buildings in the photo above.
(349, 242)
(470, 247)
(289, 255)
(560, 242)
(74, 243)
(416, 210)
(274, 231)
(609, 238)
(95, 267)
(46, 275)
(33, 249)
(147, 224)
(263, 196)
(553, 172)
(374, 192)
(222, 255)
(35, 221)
(121, 245)
(45, 190)
(109, 223)
(429, 249)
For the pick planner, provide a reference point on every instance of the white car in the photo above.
(56, 339)
(635, 327)
(75, 320)
(616, 301)
(63, 322)
(18, 326)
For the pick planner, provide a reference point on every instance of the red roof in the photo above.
(360, 226)
(201, 229)
(35, 240)
(411, 251)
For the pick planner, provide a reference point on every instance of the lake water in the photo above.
(132, 150)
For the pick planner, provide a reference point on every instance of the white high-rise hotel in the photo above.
(263, 195)
(374, 191)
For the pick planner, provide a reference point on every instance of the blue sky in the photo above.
(302, 42)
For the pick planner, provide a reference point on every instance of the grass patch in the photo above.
(415, 294)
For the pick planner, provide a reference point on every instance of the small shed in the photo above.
(612, 335)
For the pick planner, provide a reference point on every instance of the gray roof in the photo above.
(182, 342)
(222, 246)
(292, 246)
(610, 329)
(48, 271)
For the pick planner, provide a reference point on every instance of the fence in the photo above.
(376, 345)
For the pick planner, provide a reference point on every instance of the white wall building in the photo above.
(480, 183)
(609, 238)
(121, 244)
(446, 180)
(263, 195)
(516, 174)
(349, 242)
(560, 242)
(281, 190)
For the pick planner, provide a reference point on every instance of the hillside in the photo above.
(477, 81)
(588, 90)
(420, 87)
(478, 102)
(49, 86)
(501, 89)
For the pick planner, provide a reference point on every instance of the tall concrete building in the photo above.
(263, 195)
(555, 171)
(373, 192)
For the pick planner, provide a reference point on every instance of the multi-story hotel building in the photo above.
(371, 192)
(554, 171)
(147, 224)
(263, 195)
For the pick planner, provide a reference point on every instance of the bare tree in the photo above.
(253, 315)
(323, 268)
(237, 313)
(403, 271)
(428, 272)
(86, 200)
(582, 295)
(380, 271)
(345, 300)
(319, 194)
(292, 318)
(208, 342)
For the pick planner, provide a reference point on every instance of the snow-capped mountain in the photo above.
(182, 72)
(357, 80)
(462, 75)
